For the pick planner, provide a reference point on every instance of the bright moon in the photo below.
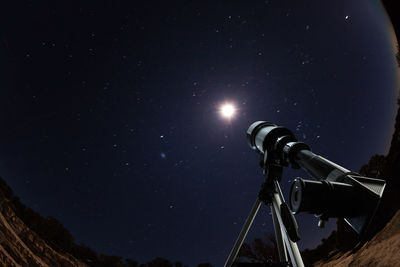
(227, 111)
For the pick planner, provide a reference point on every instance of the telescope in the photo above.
(335, 192)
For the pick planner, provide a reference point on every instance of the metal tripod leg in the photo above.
(291, 246)
(285, 245)
(279, 237)
(243, 233)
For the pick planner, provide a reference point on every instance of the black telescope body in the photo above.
(329, 198)
(338, 192)
(269, 138)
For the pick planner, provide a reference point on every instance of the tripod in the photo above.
(337, 192)
(285, 226)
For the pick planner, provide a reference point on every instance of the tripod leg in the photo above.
(243, 233)
(279, 237)
(292, 248)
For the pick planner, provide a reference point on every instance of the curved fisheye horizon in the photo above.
(127, 122)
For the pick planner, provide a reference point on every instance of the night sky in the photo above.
(110, 121)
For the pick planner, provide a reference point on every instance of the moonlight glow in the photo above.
(227, 110)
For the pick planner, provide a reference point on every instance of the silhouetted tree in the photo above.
(159, 262)
(132, 263)
(259, 250)
(60, 239)
(327, 245)
(107, 261)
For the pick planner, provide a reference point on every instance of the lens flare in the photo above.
(227, 110)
